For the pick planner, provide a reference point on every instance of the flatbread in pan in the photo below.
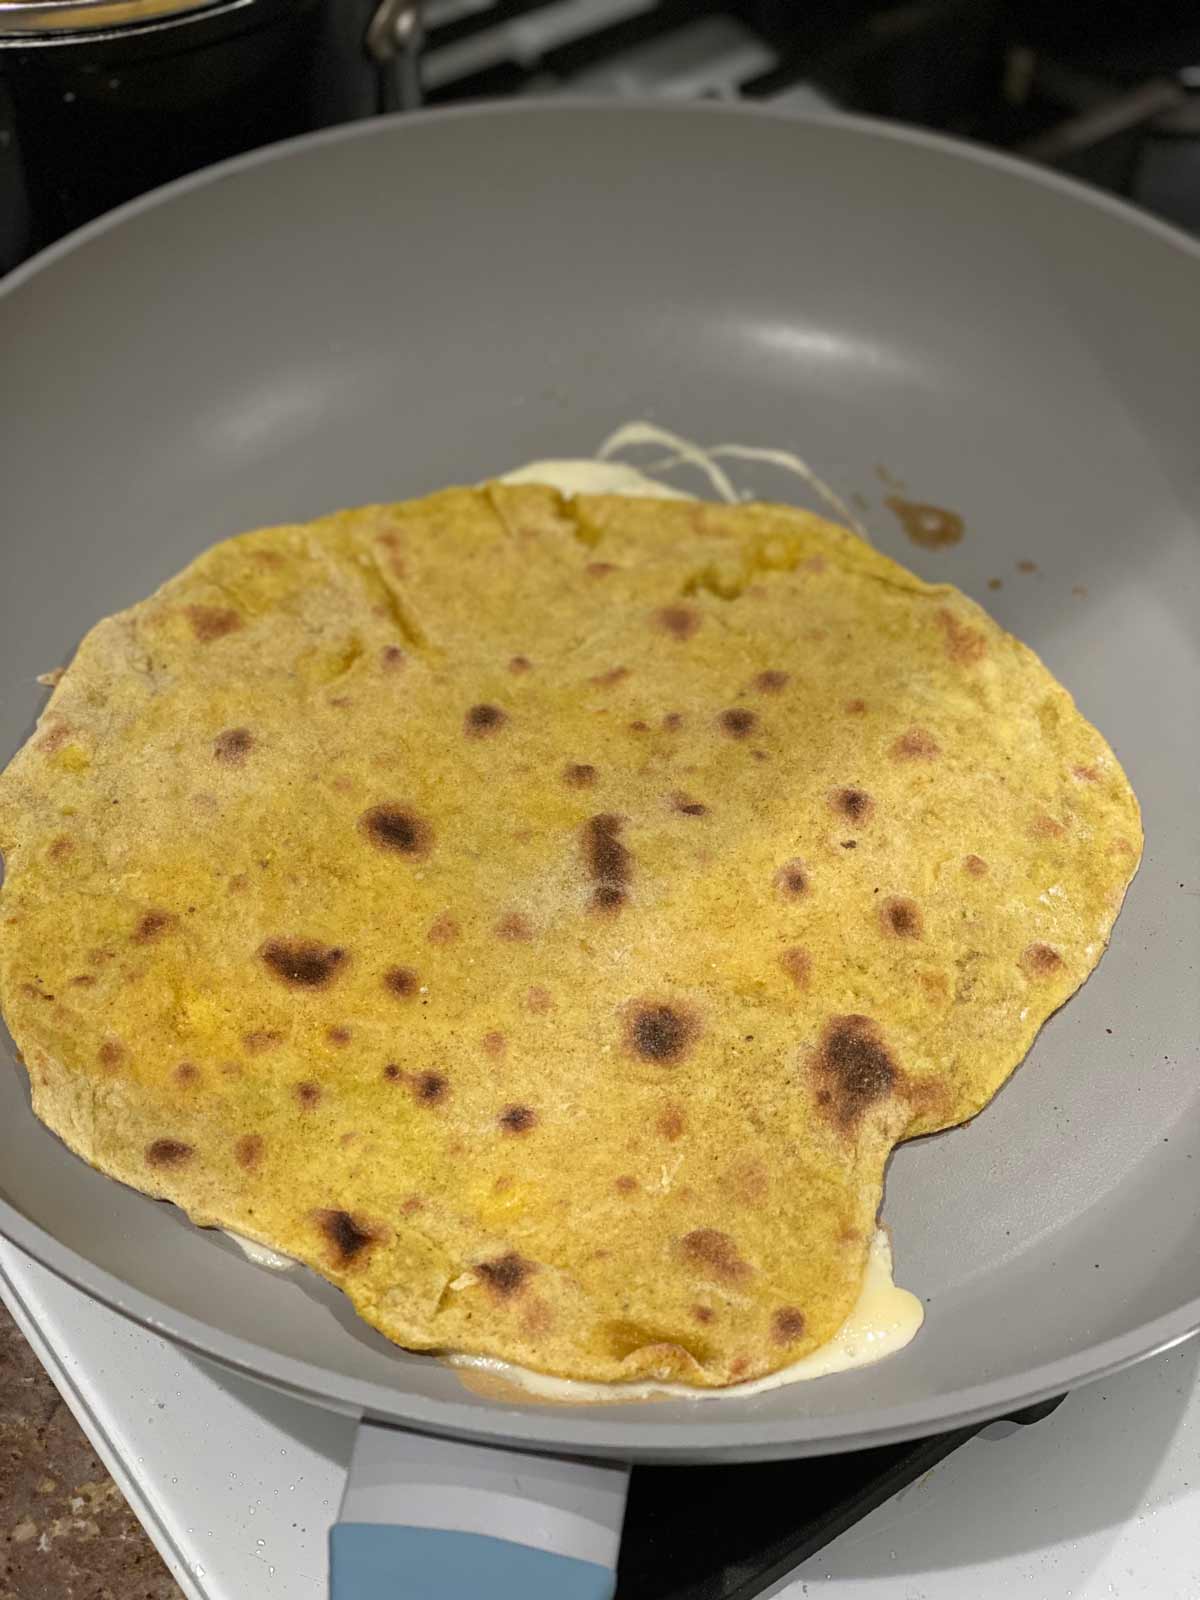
(543, 916)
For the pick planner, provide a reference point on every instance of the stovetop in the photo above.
(237, 1485)
(1109, 94)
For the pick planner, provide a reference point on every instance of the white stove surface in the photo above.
(237, 1485)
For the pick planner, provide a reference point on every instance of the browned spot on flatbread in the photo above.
(748, 1181)
(964, 645)
(1041, 960)
(248, 1150)
(852, 803)
(659, 1032)
(917, 744)
(403, 982)
(773, 681)
(54, 739)
(233, 746)
(261, 1039)
(536, 1317)
(625, 1184)
(187, 1075)
(430, 1088)
(791, 880)
(398, 829)
(1044, 826)
(514, 925)
(302, 963)
(686, 806)
(212, 622)
(855, 708)
(61, 848)
(169, 1153)
(346, 1235)
(599, 569)
(111, 1053)
(787, 1325)
(338, 1034)
(936, 985)
(518, 1119)
(579, 775)
(608, 861)
(932, 527)
(673, 721)
(797, 964)
(681, 622)
(671, 1121)
(307, 1094)
(507, 1275)
(606, 680)
(520, 664)
(976, 866)
(392, 657)
(855, 1069)
(1088, 774)
(538, 1000)
(737, 722)
(152, 925)
(443, 930)
(901, 917)
(715, 1254)
(495, 1043)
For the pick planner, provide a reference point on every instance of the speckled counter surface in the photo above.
(240, 1483)
(66, 1532)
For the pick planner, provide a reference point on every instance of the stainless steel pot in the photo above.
(103, 99)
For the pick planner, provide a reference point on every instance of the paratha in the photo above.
(542, 917)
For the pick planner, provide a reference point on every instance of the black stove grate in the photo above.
(1112, 97)
(729, 1532)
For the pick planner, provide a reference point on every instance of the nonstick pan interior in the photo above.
(376, 313)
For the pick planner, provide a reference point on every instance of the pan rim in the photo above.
(534, 106)
(566, 1430)
(551, 1429)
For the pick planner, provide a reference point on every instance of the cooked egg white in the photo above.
(261, 1254)
(883, 1321)
(571, 477)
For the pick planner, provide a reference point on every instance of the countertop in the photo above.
(66, 1532)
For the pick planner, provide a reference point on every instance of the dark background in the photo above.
(1109, 91)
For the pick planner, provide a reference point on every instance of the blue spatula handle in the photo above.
(432, 1519)
(370, 1562)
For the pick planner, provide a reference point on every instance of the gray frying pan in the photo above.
(379, 311)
